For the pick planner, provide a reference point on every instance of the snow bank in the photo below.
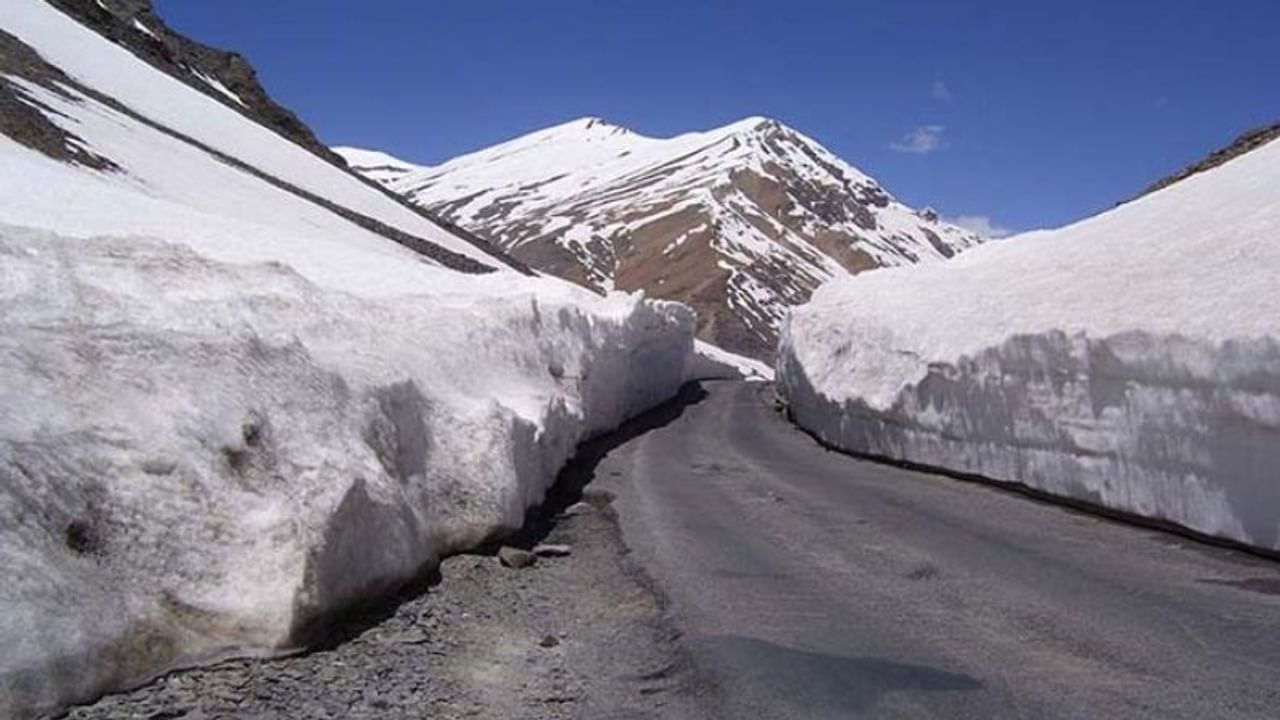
(199, 457)
(1131, 360)
(712, 363)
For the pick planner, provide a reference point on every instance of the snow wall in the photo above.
(1130, 361)
(1159, 426)
(198, 458)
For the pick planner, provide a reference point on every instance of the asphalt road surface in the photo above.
(810, 584)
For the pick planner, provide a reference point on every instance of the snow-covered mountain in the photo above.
(1131, 360)
(740, 222)
(242, 388)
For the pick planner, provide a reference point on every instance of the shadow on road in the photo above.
(332, 629)
(581, 469)
(820, 681)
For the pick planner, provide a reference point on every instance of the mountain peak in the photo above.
(753, 124)
(740, 221)
(596, 126)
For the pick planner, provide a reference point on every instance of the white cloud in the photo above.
(980, 224)
(920, 141)
(940, 91)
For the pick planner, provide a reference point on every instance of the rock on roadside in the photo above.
(516, 558)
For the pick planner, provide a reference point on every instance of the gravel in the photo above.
(574, 636)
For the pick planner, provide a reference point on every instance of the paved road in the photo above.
(811, 584)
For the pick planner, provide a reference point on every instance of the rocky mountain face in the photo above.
(225, 75)
(1248, 141)
(740, 222)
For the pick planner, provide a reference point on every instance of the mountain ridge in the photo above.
(1244, 143)
(740, 221)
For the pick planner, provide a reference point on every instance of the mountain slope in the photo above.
(740, 222)
(145, 127)
(225, 76)
(247, 116)
(1130, 360)
(1246, 142)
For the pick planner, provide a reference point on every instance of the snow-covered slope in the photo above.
(375, 165)
(241, 388)
(1131, 360)
(223, 75)
(173, 151)
(739, 222)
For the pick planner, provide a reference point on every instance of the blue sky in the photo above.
(1031, 113)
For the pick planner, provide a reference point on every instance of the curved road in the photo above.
(810, 584)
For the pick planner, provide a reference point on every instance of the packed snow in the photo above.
(1131, 360)
(378, 166)
(199, 457)
(712, 363)
(226, 411)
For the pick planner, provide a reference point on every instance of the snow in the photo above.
(137, 24)
(712, 363)
(612, 182)
(591, 165)
(216, 85)
(171, 189)
(378, 166)
(370, 158)
(113, 71)
(244, 450)
(1130, 360)
(226, 411)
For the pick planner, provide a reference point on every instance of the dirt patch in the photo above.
(553, 258)
(842, 248)
(768, 194)
(690, 273)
